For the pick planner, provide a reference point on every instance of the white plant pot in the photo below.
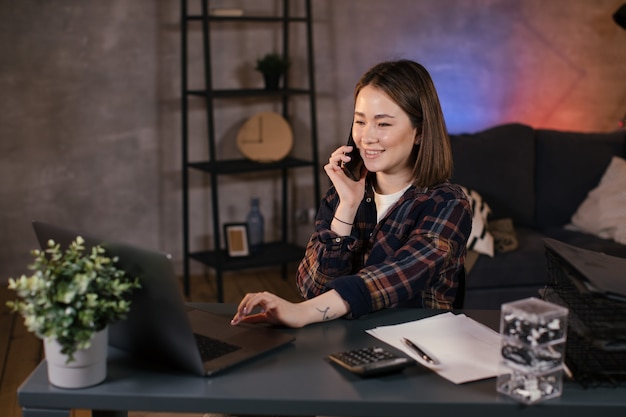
(88, 368)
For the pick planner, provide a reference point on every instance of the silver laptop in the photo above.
(160, 326)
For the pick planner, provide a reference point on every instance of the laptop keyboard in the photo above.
(212, 348)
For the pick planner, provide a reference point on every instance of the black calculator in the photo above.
(371, 361)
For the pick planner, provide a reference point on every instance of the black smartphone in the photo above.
(353, 167)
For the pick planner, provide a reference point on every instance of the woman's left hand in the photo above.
(274, 310)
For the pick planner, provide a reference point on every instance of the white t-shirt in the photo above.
(384, 201)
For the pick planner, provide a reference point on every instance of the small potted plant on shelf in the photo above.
(272, 66)
(69, 301)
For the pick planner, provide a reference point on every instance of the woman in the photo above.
(397, 236)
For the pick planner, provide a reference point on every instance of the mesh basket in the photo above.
(596, 340)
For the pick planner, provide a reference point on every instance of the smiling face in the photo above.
(384, 135)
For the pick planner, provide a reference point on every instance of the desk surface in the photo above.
(299, 380)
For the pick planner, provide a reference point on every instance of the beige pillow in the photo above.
(603, 213)
(480, 240)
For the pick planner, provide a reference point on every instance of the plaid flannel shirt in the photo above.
(412, 257)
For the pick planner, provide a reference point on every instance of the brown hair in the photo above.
(410, 86)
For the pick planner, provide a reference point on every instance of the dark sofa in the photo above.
(538, 179)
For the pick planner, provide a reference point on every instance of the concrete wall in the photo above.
(90, 98)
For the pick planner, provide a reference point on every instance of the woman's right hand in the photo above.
(350, 192)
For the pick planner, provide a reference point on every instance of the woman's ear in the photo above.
(418, 139)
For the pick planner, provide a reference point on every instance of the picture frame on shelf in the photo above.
(237, 241)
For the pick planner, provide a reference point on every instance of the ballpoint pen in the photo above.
(426, 356)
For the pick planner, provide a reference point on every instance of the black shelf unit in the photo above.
(247, 93)
(278, 253)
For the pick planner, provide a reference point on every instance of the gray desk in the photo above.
(298, 380)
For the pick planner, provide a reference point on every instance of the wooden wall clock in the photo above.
(265, 137)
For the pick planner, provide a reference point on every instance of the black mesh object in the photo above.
(595, 350)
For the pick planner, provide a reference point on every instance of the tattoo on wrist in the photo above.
(325, 315)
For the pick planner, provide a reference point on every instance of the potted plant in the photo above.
(68, 301)
(272, 66)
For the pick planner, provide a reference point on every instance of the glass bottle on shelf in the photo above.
(255, 227)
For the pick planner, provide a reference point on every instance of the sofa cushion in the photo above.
(498, 163)
(493, 298)
(525, 266)
(603, 213)
(568, 166)
(480, 240)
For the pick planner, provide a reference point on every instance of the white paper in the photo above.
(467, 350)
